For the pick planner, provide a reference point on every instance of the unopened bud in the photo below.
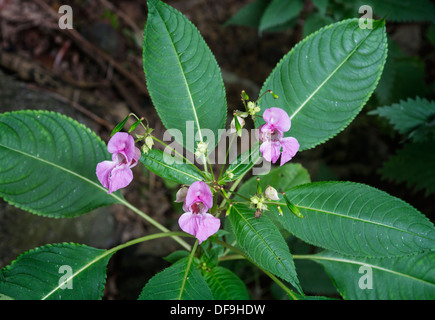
(229, 209)
(271, 193)
(237, 124)
(244, 95)
(181, 194)
(201, 149)
(230, 175)
(149, 142)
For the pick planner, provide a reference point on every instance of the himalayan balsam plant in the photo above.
(371, 244)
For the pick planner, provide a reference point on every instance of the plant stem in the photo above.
(233, 187)
(113, 250)
(146, 238)
(226, 155)
(152, 221)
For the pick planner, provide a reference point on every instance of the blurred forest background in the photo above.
(93, 73)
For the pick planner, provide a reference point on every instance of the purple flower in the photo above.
(117, 174)
(196, 220)
(274, 144)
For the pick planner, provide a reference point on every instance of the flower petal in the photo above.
(123, 143)
(290, 147)
(121, 176)
(199, 191)
(201, 226)
(277, 118)
(135, 158)
(104, 170)
(270, 150)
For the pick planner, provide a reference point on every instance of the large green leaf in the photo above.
(225, 285)
(183, 77)
(410, 277)
(261, 240)
(47, 164)
(177, 282)
(326, 79)
(64, 271)
(356, 219)
(182, 173)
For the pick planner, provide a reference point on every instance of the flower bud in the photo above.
(271, 193)
(230, 206)
(201, 149)
(181, 194)
(149, 142)
(237, 126)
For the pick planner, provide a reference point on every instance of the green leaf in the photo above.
(356, 219)
(414, 118)
(225, 285)
(278, 12)
(48, 162)
(183, 77)
(250, 15)
(176, 282)
(244, 162)
(183, 173)
(410, 277)
(326, 79)
(64, 271)
(414, 164)
(261, 240)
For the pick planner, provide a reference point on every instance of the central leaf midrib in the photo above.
(182, 73)
(265, 243)
(173, 168)
(362, 220)
(86, 266)
(341, 260)
(330, 76)
(49, 163)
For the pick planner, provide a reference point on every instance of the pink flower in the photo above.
(196, 220)
(272, 135)
(117, 174)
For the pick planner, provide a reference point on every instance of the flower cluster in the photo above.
(117, 174)
(197, 200)
(274, 144)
